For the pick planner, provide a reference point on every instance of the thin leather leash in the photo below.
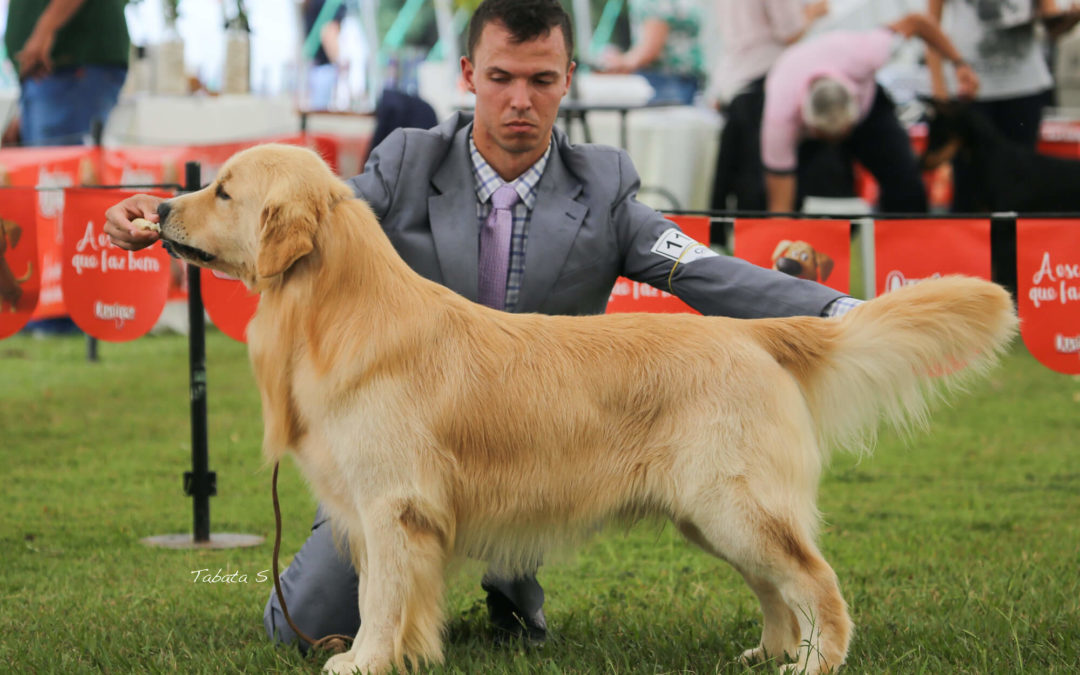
(335, 643)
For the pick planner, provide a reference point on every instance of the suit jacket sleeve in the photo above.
(382, 170)
(714, 284)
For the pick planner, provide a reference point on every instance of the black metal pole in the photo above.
(200, 482)
(97, 131)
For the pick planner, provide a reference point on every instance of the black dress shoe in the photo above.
(511, 623)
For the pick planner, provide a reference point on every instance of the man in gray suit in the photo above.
(576, 226)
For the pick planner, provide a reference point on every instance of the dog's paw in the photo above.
(340, 664)
(352, 662)
(752, 657)
(758, 655)
(803, 668)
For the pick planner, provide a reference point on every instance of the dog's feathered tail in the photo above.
(889, 357)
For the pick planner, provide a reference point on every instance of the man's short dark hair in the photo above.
(526, 20)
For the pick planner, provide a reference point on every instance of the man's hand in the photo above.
(967, 82)
(780, 189)
(122, 231)
(816, 10)
(34, 59)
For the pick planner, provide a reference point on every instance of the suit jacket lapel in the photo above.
(455, 228)
(554, 225)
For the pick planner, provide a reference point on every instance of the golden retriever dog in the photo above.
(10, 285)
(799, 259)
(432, 427)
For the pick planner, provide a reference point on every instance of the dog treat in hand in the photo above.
(144, 224)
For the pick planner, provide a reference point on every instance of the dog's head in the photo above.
(799, 259)
(948, 132)
(10, 233)
(259, 216)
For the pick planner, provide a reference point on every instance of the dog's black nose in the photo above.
(789, 266)
(163, 211)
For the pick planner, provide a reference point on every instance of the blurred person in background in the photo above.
(825, 89)
(999, 38)
(666, 49)
(754, 35)
(72, 58)
(327, 62)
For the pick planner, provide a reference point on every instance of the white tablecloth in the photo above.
(180, 120)
(673, 148)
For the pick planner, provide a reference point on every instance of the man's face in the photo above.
(518, 88)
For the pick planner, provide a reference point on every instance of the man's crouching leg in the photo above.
(516, 608)
(319, 588)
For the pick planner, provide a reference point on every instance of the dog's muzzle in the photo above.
(178, 250)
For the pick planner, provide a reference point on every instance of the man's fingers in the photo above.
(129, 235)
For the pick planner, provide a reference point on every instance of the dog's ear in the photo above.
(780, 248)
(824, 265)
(286, 234)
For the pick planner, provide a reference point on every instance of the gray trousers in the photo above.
(320, 589)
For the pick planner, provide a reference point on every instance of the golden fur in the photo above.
(433, 427)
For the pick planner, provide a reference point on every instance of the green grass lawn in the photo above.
(958, 549)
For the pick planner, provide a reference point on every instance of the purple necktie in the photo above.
(495, 247)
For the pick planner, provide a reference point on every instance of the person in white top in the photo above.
(754, 34)
(1000, 41)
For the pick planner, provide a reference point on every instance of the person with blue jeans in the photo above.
(325, 63)
(72, 59)
(667, 50)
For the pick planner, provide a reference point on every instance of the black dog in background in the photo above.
(1008, 176)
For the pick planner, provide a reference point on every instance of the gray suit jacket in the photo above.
(586, 229)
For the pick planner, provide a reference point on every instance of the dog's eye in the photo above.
(221, 194)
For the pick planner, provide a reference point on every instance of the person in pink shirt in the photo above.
(754, 35)
(825, 89)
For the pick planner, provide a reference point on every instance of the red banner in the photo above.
(1048, 289)
(110, 293)
(229, 304)
(50, 170)
(20, 273)
(345, 154)
(49, 167)
(908, 251)
(633, 296)
(165, 164)
(1060, 138)
(818, 250)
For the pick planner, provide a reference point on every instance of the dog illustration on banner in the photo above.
(10, 285)
(799, 259)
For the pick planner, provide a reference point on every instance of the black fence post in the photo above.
(200, 483)
(97, 132)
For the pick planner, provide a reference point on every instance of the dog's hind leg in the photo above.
(810, 588)
(805, 615)
(401, 610)
(761, 519)
(780, 632)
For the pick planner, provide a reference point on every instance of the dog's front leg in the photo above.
(401, 590)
